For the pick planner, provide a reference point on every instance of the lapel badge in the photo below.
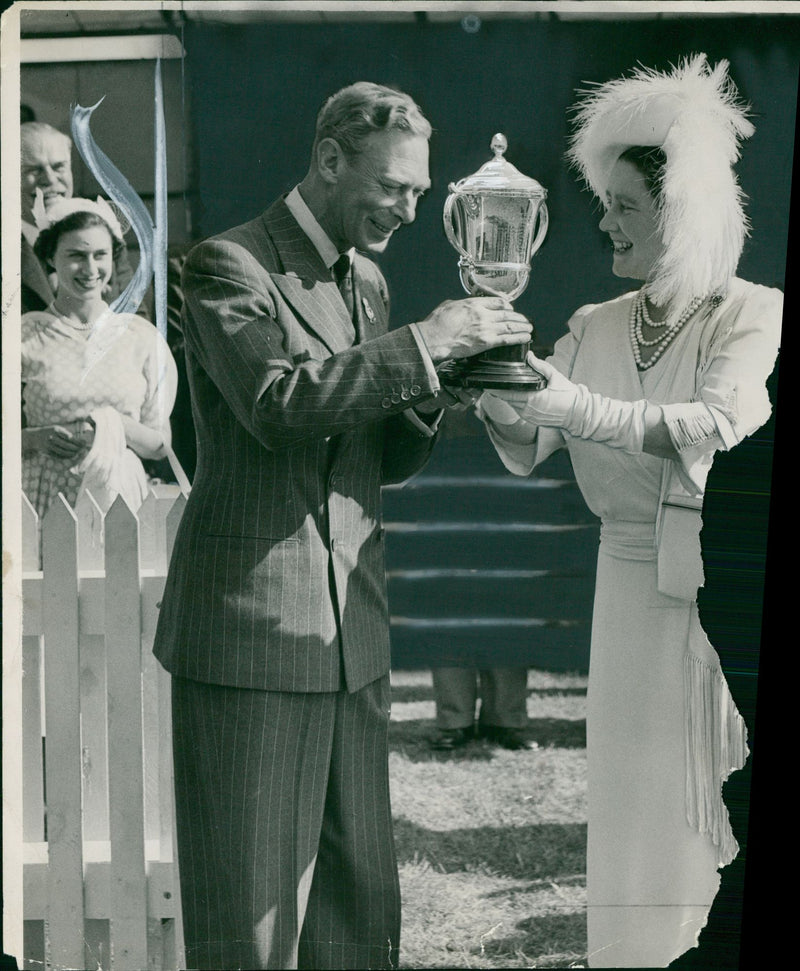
(368, 310)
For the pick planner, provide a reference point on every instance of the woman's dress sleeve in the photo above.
(733, 369)
(161, 375)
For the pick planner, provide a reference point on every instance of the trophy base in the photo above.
(476, 372)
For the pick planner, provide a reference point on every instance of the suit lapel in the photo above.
(306, 283)
(370, 310)
(33, 274)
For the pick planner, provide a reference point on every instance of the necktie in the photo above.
(343, 275)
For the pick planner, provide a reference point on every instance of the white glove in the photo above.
(582, 414)
(552, 405)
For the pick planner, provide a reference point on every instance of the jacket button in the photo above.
(395, 397)
(405, 394)
(415, 390)
(386, 403)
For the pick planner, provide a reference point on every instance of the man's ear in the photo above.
(330, 160)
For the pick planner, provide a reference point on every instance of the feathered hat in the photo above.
(46, 217)
(694, 115)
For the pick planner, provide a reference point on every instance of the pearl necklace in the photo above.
(655, 324)
(82, 326)
(639, 316)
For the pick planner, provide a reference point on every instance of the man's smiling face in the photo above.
(46, 164)
(378, 190)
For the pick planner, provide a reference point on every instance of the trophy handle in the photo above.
(541, 232)
(449, 231)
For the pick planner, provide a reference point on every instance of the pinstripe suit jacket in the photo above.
(277, 577)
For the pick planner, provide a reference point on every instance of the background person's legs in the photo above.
(504, 714)
(504, 697)
(456, 693)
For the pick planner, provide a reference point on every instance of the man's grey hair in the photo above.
(357, 111)
(30, 130)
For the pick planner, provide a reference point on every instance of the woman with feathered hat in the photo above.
(643, 390)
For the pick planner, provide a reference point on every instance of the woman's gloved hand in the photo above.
(581, 413)
(553, 405)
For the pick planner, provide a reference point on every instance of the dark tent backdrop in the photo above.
(255, 91)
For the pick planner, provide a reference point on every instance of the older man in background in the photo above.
(46, 164)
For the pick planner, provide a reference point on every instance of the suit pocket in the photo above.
(266, 587)
(248, 572)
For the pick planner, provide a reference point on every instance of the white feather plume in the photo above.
(695, 116)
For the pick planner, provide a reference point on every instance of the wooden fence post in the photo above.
(152, 516)
(100, 857)
(32, 727)
(152, 529)
(169, 832)
(30, 536)
(125, 751)
(64, 923)
(94, 739)
(91, 534)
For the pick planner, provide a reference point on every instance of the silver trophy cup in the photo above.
(496, 220)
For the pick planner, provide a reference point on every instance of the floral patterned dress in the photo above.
(121, 362)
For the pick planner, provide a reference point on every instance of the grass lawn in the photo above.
(491, 844)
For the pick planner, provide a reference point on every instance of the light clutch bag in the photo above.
(680, 560)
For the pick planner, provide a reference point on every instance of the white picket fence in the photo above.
(100, 879)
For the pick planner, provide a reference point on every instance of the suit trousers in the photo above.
(285, 840)
(503, 695)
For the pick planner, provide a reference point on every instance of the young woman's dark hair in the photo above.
(47, 240)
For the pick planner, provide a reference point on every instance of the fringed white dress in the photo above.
(662, 730)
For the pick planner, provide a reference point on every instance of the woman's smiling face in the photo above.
(83, 261)
(631, 221)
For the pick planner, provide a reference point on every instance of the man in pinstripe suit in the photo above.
(274, 621)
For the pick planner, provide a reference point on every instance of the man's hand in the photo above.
(497, 409)
(461, 328)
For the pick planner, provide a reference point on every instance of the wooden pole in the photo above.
(125, 751)
(64, 935)
(32, 733)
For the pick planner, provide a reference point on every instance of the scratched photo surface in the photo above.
(205, 113)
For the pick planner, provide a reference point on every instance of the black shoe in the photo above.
(448, 739)
(510, 738)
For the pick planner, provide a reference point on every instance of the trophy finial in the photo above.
(499, 145)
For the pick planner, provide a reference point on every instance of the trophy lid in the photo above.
(499, 177)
